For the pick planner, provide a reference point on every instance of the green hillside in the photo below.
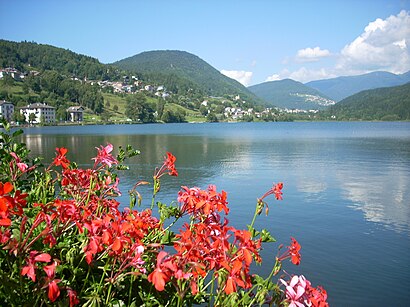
(342, 87)
(182, 72)
(290, 94)
(26, 56)
(392, 103)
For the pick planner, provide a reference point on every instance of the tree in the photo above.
(8, 80)
(160, 107)
(138, 109)
(170, 116)
(203, 110)
(211, 117)
(31, 118)
(18, 117)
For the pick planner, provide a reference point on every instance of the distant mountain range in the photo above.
(388, 103)
(291, 94)
(184, 73)
(342, 87)
(167, 66)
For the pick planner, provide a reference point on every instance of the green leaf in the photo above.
(266, 236)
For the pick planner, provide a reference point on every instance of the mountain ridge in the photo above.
(344, 86)
(160, 64)
(387, 103)
(291, 94)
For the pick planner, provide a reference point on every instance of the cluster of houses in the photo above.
(16, 74)
(37, 113)
(131, 85)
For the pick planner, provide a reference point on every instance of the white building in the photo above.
(75, 113)
(42, 113)
(6, 110)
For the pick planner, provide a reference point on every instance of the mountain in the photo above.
(27, 56)
(342, 87)
(291, 94)
(181, 71)
(388, 103)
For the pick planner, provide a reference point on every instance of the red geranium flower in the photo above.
(34, 257)
(61, 159)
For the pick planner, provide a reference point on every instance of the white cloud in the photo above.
(244, 77)
(274, 77)
(311, 54)
(382, 46)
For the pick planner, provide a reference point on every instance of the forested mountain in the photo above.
(26, 55)
(342, 87)
(180, 71)
(291, 94)
(391, 103)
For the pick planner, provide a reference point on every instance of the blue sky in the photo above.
(251, 41)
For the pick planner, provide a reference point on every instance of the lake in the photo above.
(346, 190)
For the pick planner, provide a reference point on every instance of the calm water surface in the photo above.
(346, 190)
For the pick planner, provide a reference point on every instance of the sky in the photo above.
(251, 41)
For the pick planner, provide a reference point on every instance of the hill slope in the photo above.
(191, 72)
(342, 87)
(29, 55)
(291, 94)
(392, 103)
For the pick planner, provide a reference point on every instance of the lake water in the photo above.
(346, 190)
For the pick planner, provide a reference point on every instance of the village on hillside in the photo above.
(42, 113)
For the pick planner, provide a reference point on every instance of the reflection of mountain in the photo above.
(199, 159)
(319, 161)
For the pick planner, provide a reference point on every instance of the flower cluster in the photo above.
(65, 240)
(207, 244)
(299, 292)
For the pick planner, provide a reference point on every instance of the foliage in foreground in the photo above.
(65, 241)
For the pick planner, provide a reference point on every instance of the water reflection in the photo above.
(372, 173)
(383, 198)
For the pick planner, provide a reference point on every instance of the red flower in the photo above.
(170, 164)
(5, 188)
(197, 201)
(61, 159)
(276, 189)
(72, 295)
(53, 290)
(34, 257)
(158, 276)
(50, 269)
(292, 252)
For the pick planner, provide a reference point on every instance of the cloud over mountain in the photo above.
(244, 77)
(382, 46)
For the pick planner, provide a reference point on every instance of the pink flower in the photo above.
(299, 292)
(21, 166)
(104, 156)
(295, 290)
